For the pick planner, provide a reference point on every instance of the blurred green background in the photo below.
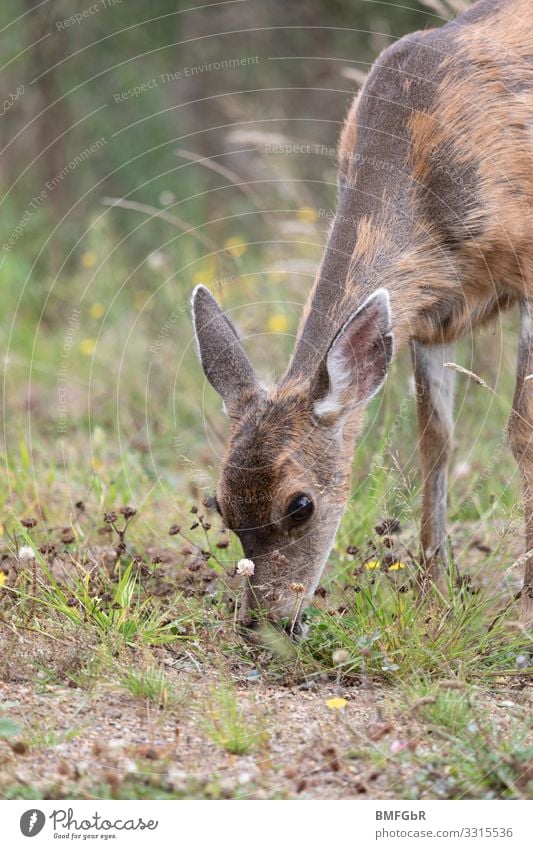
(149, 147)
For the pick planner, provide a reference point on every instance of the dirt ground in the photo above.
(121, 737)
(104, 740)
(110, 743)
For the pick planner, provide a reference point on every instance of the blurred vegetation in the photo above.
(144, 150)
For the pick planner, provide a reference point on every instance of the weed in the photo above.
(454, 749)
(232, 726)
(149, 684)
(394, 635)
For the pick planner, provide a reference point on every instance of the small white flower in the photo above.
(26, 552)
(245, 567)
(167, 198)
(156, 260)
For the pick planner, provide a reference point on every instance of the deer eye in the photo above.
(300, 509)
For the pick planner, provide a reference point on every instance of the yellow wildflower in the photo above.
(394, 567)
(3, 578)
(88, 259)
(277, 324)
(372, 564)
(336, 703)
(235, 246)
(97, 310)
(201, 278)
(87, 347)
(307, 213)
(206, 272)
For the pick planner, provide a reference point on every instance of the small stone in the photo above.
(227, 787)
(109, 558)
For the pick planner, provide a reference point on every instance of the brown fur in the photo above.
(435, 200)
(463, 151)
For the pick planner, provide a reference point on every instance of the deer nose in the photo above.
(250, 629)
(260, 599)
(250, 623)
(296, 630)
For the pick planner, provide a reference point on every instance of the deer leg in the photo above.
(521, 439)
(434, 394)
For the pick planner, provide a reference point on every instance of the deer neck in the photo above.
(364, 253)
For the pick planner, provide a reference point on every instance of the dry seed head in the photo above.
(340, 656)
(28, 523)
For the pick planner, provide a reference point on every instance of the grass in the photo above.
(455, 748)
(387, 632)
(105, 406)
(121, 601)
(239, 730)
(8, 728)
(118, 600)
(141, 789)
(150, 684)
(38, 737)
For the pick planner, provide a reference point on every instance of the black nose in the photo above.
(250, 628)
(296, 630)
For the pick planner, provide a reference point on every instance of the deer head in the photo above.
(285, 476)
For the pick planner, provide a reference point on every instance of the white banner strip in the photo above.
(268, 825)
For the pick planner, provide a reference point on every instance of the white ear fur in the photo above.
(198, 292)
(345, 366)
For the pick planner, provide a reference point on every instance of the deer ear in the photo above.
(358, 358)
(223, 359)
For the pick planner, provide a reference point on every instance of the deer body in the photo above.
(433, 235)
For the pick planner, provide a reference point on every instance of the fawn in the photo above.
(432, 236)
